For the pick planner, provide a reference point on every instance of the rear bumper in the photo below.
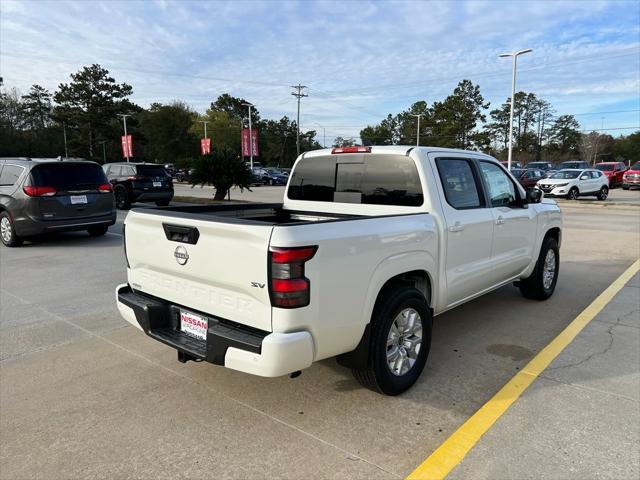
(228, 344)
(27, 226)
(144, 195)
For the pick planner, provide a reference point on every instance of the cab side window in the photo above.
(459, 183)
(501, 189)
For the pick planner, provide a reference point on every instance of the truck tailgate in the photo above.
(224, 273)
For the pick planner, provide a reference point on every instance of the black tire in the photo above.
(603, 193)
(8, 235)
(573, 194)
(122, 199)
(162, 203)
(625, 188)
(534, 286)
(98, 231)
(377, 375)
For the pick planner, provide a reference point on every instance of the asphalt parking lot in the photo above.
(84, 395)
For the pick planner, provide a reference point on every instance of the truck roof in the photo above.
(396, 150)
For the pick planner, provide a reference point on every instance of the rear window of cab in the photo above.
(367, 179)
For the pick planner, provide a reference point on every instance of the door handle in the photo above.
(456, 227)
(500, 221)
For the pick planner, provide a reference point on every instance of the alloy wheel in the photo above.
(404, 341)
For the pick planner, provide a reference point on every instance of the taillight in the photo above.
(105, 188)
(39, 191)
(289, 287)
(351, 150)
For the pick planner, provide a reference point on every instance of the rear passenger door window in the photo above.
(459, 183)
(10, 175)
(502, 191)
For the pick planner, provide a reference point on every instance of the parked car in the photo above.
(271, 176)
(544, 166)
(631, 177)
(573, 164)
(614, 171)
(574, 183)
(513, 164)
(139, 182)
(528, 177)
(42, 196)
(367, 247)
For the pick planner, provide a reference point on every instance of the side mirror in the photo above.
(584, 177)
(534, 195)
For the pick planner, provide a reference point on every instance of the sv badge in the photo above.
(257, 285)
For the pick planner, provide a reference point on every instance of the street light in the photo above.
(250, 136)
(124, 121)
(513, 94)
(418, 133)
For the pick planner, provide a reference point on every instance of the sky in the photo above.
(360, 60)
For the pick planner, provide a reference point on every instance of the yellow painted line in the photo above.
(455, 448)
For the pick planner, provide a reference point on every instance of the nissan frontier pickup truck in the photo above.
(368, 245)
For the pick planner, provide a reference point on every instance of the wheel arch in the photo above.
(420, 279)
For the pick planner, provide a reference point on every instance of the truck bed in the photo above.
(257, 214)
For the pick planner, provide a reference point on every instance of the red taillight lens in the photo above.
(105, 187)
(351, 150)
(39, 191)
(289, 255)
(289, 287)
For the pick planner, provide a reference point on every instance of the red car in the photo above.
(614, 171)
(528, 177)
(631, 177)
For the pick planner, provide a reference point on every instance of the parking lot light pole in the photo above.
(124, 120)
(418, 115)
(250, 136)
(64, 134)
(513, 94)
(205, 127)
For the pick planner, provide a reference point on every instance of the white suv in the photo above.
(573, 183)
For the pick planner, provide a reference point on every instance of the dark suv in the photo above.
(139, 182)
(41, 196)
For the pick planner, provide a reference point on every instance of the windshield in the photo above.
(565, 174)
(68, 176)
(517, 172)
(570, 165)
(541, 165)
(605, 168)
(635, 166)
(151, 170)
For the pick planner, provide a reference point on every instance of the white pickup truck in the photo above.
(369, 244)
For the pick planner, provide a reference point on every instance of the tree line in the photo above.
(463, 120)
(86, 110)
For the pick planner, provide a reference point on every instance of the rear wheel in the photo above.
(542, 282)
(8, 232)
(603, 193)
(162, 203)
(400, 341)
(98, 231)
(573, 194)
(122, 199)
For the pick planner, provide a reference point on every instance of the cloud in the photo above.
(360, 60)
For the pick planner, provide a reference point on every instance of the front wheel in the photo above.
(542, 282)
(8, 232)
(573, 194)
(400, 341)
(603, 193)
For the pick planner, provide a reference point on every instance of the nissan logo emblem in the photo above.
(181, 254)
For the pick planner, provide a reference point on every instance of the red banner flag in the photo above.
(127, 146)
(205, 146)
(246, 145)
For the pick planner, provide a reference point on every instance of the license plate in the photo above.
(76, 199)
(157, 184)
(193, 325)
